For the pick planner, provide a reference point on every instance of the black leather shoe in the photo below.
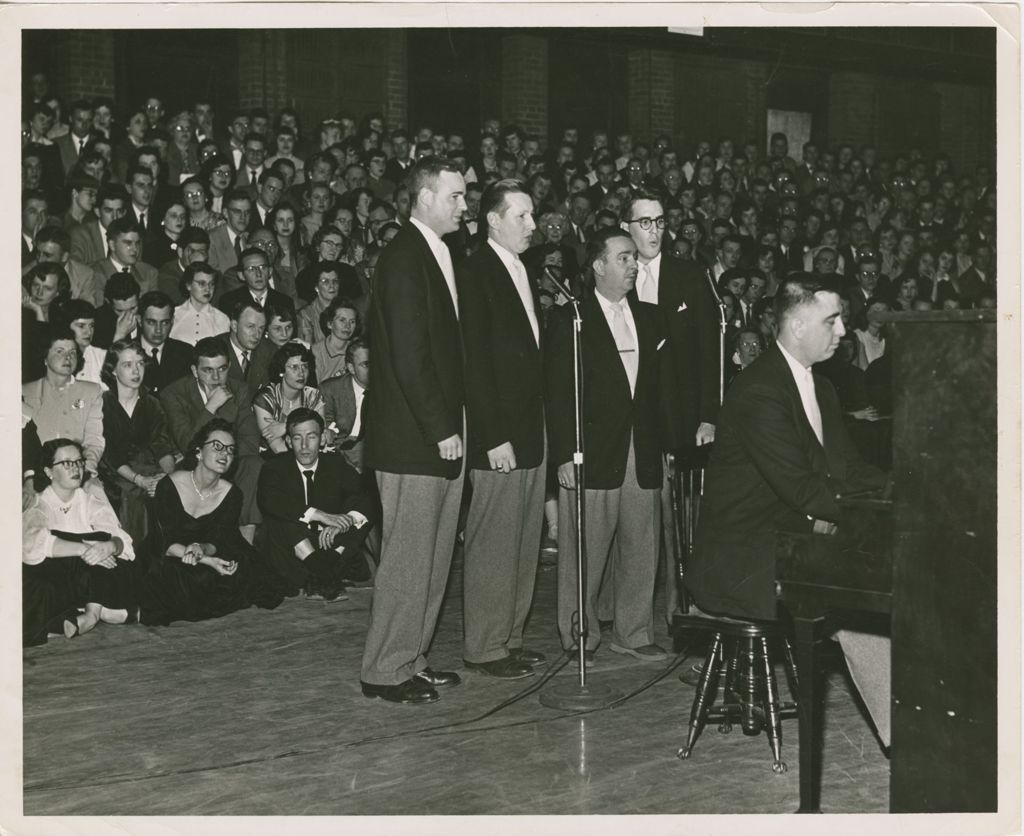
(527, 657)
(412, 691)
(437, 679)
(505, 668)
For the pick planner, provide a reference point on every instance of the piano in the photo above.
(923, 559)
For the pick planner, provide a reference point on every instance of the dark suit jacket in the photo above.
(222, 251)
(337, 489)
(610, 414)
(504, 373)
(228, 300)
(416, 398)
(168, 281)
(691, 319)
(187, 414)
(767, 472)
(143, 273)
(88, 243)
(259, 364)
(340, 407)
(175, 362)
(68, 153)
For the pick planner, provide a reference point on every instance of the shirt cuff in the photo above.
(358, 519)
(307, 517)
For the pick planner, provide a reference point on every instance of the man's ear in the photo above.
(195, 372)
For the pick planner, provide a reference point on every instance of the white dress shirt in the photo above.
(359, 393)
(522, 283)
(647, 280)
(191, 324)
(443, 258)
(608, 308)
(805, 385)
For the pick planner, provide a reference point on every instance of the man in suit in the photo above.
(74, 141)
(89, 239)
(118, 318)
(782, 455)
(315, 513)
(34, 212)
(414, 430)
(141, 191)
(227, 241)
(256, 272)
(125, 240)
(266, 195)
(193, 245)
(238, 130)
(248, 354)
(499, 313)
(254, 152)
(398, 166)
(192, 401)
(167, 359)
(625, 410)
(344, 396)
(680, 290)
(52, 245)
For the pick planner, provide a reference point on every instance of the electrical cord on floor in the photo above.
(437, 730)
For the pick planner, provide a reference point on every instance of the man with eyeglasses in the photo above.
(238, 129)
(256, 272)
(209, 391)
(679, 289)
(867, 276)
(254, 152)
(227, 241)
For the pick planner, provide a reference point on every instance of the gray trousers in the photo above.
(869, 658)
(421, 515)
(631, 516)
(500, 568)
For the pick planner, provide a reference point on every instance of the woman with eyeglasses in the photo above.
(289, 373)
(194, 196)
(218, 175)
(202, 567)
(182, 153)
(139, 451)
(75, 553)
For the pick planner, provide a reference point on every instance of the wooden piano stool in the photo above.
(750, 693)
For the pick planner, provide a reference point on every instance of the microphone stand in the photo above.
(581, 695)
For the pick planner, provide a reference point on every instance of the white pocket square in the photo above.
(660, 345)
(681, 308)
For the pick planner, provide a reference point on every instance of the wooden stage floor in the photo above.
(260, 713)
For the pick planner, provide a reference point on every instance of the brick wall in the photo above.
(85, 64)
(652, 104)
(263, 69)
(524, 83)
(396, 93)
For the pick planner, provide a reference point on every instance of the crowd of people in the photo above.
(201, 297)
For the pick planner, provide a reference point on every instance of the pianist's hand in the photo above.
(824, 527)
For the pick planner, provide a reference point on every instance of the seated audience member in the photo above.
(167, 359)
(118, 319)
(125, 239)
(138, 450)
(201, 567)
(281, 328)
(285, 392)
(46, 288)
(75, 553)
(162, 241)
(228, 241)
(905, 293)
(210, 392)
(196, 201)
(282, 221)
(255, 274)
(80, 317)
(279, 280)
(62, 406)
(318, 198)
(192, 245)
(248, 353)
(316, 515)
(196, 317)
(748, 345)
(326, 275)
(339, 323)
(871, 336)
(343, 403)
(53, 247)
(89, 239)
(34, 208)
(328, 245)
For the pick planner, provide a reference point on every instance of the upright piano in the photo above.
(925, 559)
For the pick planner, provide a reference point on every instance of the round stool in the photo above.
(750, 693)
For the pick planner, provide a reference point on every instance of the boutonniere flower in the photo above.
(79, 404)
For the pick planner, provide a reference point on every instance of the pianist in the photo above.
(781, 457)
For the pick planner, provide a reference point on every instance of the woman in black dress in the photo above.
(203, 567)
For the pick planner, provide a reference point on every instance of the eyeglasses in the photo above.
(255, 268)
(223, 172)
(220, 446)
(297, 367)
(646, 223)
(71, 464)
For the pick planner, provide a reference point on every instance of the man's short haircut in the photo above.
(254, 137)
(336, 305)
(796, 290)
(730, 239)
(606, 215)
(54, 235)
(237, 194)
(267, 174)
(33, 194)
(155, 299)
(642, 194)
(193, 235)
(249, 251)
(425, 172)
(80, 104)
(493, 197)
(353, 346)
(80, 182)
(122, 226)
(111, 191)
(197, 268)
(209, 347)
(597, 245)
(121, 286)
(283, 312)
(301, 416)
(140, 169)
(244, 304)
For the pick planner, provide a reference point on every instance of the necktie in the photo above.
(155, 354)
(126, 269)
(309, 484)
(142, 220)
(624, 342)
(252, 176)
(238, 246)
(523, 286)
(245, 366)
(645, 291)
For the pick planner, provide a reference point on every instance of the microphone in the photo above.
(562, 287)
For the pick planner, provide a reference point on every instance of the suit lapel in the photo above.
(513, 302)
(831, 429)
(816, 451)
(433, 268)
(604, 342)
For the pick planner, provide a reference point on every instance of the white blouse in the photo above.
(88, 511)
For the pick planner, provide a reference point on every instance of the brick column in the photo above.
(652, 102)
(85, 64)
(851, 108)
(524, 82)
(396, 90)
(262, 69)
